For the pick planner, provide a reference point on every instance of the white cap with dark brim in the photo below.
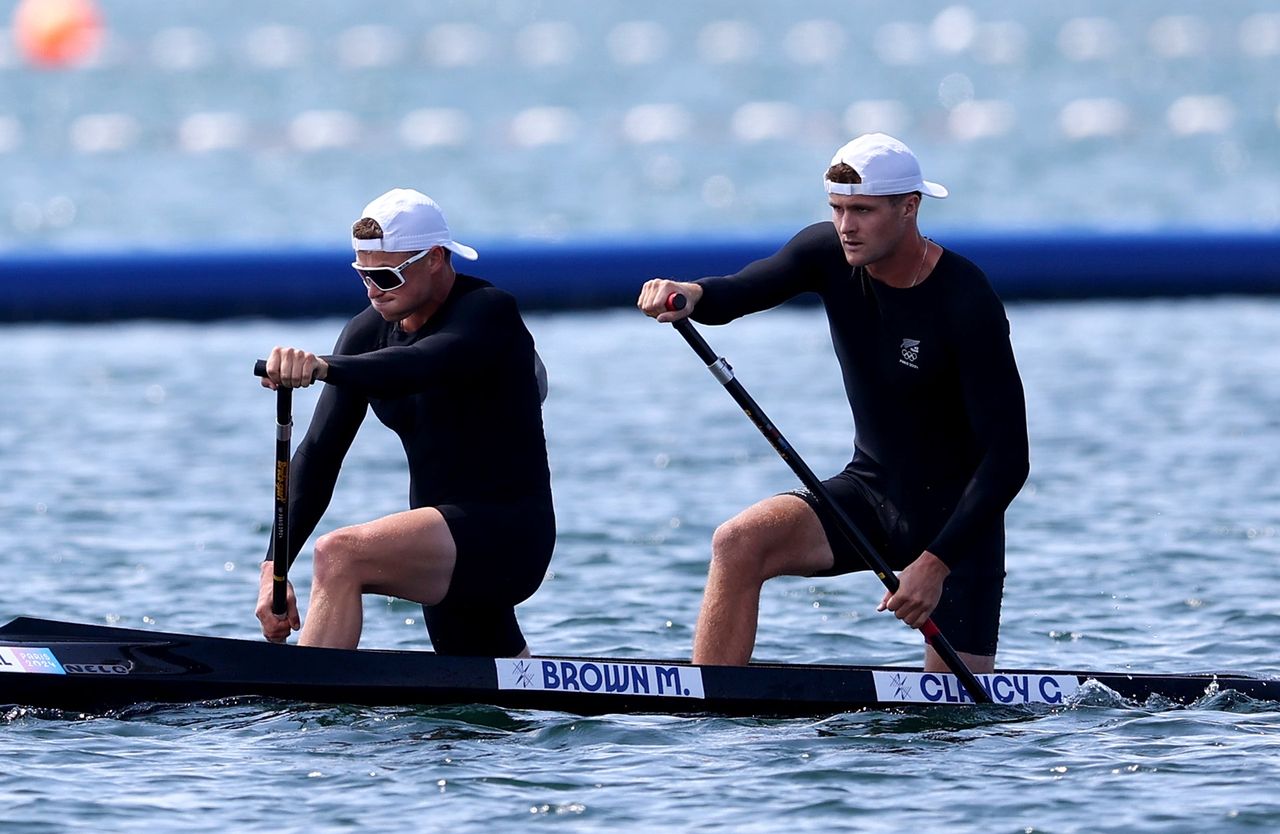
(411, 222)
(887, 167)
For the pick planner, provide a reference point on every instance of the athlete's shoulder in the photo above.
(471, 291)
(953, 260)
(963, 276)
(973, 302)
(815, 251)
(479, 306)
(818, 240)
(464, 283)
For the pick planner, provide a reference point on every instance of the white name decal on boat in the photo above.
(38, 661)
(596, 676)
(931, 688)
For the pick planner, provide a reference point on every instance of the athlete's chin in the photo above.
(386, 311)
(855, 254)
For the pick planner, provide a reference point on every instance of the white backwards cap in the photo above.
(411, 222)
(886, 166)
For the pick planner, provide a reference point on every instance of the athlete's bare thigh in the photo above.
(409, 554)
(785, 532)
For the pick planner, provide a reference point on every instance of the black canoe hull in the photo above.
(85, 668)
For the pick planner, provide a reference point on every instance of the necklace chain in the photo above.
(923, 258)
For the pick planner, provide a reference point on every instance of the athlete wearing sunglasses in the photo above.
(445, 361)
(386, 278)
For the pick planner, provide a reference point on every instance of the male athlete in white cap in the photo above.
(445, 361)
(941, 435)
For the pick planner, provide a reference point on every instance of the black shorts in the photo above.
(968, 613)
(504, 549)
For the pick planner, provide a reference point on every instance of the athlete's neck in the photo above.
(906, 266)
(441, 286)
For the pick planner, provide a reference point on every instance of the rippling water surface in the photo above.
(135, 488)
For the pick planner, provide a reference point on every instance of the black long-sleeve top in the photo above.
(461, 392)
(929, 371)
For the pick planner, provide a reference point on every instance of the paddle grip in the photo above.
(260, 369)
(676, 301)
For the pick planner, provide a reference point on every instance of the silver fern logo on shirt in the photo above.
(910, 352)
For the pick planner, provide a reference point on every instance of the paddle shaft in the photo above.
(280, 530)
(722, 371)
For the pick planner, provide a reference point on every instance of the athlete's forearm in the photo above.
(474, 341)
(994, 485)
(768, 282)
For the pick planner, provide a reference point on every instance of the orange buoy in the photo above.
(57, 33)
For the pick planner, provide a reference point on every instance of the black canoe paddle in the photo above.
(721, 370)
(280, 533)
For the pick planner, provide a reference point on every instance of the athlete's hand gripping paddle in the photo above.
(721, 370)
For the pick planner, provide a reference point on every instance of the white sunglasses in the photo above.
(386, 278)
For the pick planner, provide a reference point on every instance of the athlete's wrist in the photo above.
(934, 563)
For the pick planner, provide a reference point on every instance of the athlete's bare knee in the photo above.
(336, 556)
(779, 536)
(734, 541)
(739, 549)
(731, 539)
